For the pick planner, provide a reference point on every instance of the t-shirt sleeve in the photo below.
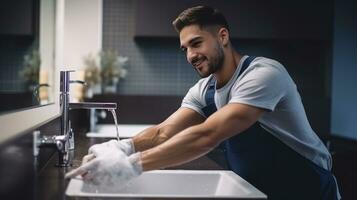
(193, 101)
(263, 86)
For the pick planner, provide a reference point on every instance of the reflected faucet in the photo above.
(65, 141)
(36, 92)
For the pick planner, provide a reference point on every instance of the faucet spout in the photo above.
(92, 105)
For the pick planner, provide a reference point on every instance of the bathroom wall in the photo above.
(82, 31)
(82, 35)
(344, 92)
(157, 67)
(16, 39)
(12, 52)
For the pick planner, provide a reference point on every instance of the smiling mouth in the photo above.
(197, 63)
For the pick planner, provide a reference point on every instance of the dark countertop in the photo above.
(23, 177)
(50, 184)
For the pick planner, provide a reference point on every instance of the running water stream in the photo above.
(115, 121)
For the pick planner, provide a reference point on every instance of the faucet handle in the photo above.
(65, 80)
(78, 81)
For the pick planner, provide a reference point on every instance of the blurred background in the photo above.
(128, 52)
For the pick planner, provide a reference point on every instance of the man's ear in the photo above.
(223, 36)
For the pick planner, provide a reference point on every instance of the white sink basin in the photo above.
(173, 184)
(125, 130)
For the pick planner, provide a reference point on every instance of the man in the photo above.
(251, 104)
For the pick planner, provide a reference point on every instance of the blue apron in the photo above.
(270, 165)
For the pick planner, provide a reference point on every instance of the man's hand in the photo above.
(126, 146)
(108, 164)
(108, 167)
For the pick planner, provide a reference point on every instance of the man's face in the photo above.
(203, 50)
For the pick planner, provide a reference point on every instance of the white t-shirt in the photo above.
(266, 84)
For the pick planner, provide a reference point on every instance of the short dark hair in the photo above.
(202, 16)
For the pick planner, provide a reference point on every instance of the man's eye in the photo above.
(196, 44)
(184, 50)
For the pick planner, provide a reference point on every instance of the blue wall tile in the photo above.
(155, 67)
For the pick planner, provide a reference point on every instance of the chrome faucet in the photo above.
(65, 141)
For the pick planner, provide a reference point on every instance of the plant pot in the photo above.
(92, 90)
(110, 89)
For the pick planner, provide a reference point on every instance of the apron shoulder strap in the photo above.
(246, 64)
(210, 107)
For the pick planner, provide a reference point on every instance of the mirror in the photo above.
(27, 39)
(19, 36)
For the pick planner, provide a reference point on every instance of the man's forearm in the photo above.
(178, 121)
(198, 140)
(153, 136)
(183, 147)
(145, 139)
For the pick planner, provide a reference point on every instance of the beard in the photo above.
(215, 63)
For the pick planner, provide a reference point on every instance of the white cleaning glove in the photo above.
(109, 167)
(126, 145)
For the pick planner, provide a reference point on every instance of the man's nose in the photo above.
(190, 55)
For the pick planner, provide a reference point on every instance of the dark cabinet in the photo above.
(18, 17)
(254, 19)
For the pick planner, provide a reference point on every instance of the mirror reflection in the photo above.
(26, 54)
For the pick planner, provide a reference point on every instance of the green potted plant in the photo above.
(112, 70)
(91, 76)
